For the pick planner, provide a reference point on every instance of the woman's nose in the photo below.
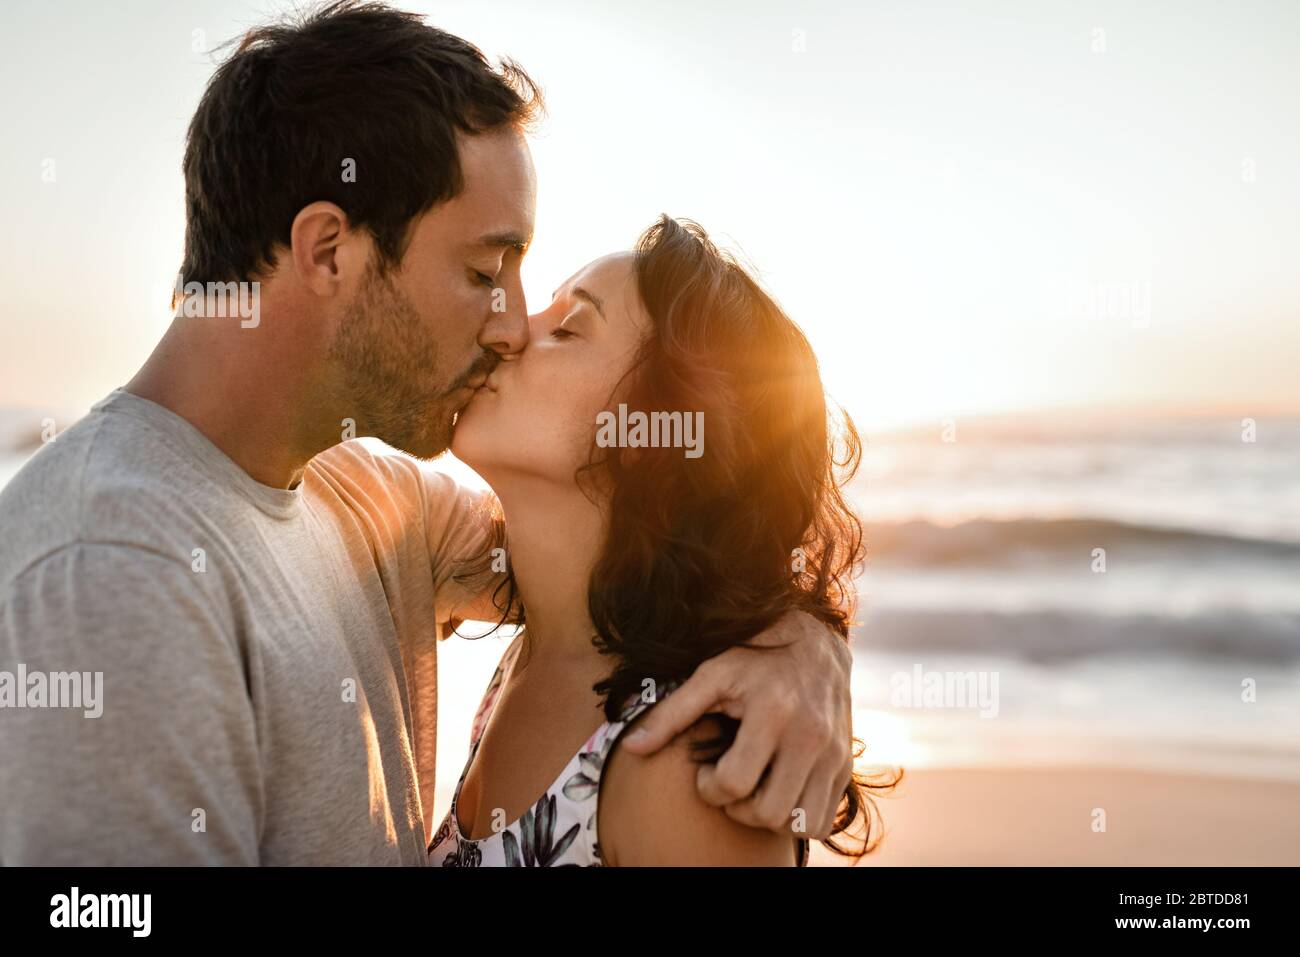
(540, 324)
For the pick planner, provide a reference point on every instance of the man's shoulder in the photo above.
(106, 479)
(371, 475)
(362, 459)
(41, 506)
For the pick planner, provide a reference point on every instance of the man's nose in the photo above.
(506, 331)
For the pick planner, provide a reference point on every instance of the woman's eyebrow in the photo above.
(578, 292)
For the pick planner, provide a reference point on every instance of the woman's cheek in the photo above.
(575, 426)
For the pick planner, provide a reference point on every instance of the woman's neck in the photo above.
(553, 538)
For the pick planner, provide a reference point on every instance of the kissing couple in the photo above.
(264, 593)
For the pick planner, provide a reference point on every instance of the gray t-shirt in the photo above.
(268, 656)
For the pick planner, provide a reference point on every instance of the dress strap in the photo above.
(489, 699)
(637, 704)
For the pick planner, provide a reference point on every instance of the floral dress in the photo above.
(559, 830)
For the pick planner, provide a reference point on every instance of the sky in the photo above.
(969, 208)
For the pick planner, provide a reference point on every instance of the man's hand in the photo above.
(795, 715)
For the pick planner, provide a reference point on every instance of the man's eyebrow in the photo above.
(510, 240)
(578, 292)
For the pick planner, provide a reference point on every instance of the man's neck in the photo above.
(267, 416)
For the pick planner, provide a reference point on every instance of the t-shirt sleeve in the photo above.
(150, 756)
(458, 526)
(408, 497)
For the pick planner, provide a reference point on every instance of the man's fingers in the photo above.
(736, 774)
(701, 693)
(842, 782)
(775, 802)
(834, 775)
(820, 817)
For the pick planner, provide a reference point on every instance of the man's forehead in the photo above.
(497, 203)
(498, 161)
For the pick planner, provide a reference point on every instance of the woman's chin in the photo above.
(467, 433)
(459, 446)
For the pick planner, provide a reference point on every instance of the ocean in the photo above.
(1134, 585)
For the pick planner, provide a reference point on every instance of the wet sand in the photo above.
(1045, 817)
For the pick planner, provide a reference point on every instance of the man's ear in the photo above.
(327, 253)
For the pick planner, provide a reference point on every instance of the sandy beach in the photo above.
(1044, 817)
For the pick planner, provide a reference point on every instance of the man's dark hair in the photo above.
(350, 80)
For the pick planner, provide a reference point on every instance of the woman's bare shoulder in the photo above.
(651, 814)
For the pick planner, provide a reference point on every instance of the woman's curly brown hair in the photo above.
(704, 553)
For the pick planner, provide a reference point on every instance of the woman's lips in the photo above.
(464, 396)
(478, 393)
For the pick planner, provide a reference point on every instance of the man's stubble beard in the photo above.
(389, 365)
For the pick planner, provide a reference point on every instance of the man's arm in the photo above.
(792, 700)
(795, 713)
(159, 763)
(420, 504)
(458, 526)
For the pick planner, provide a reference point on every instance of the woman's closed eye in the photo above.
(566, 328)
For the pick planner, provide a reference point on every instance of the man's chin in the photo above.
(431, 444)
(427, 442)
